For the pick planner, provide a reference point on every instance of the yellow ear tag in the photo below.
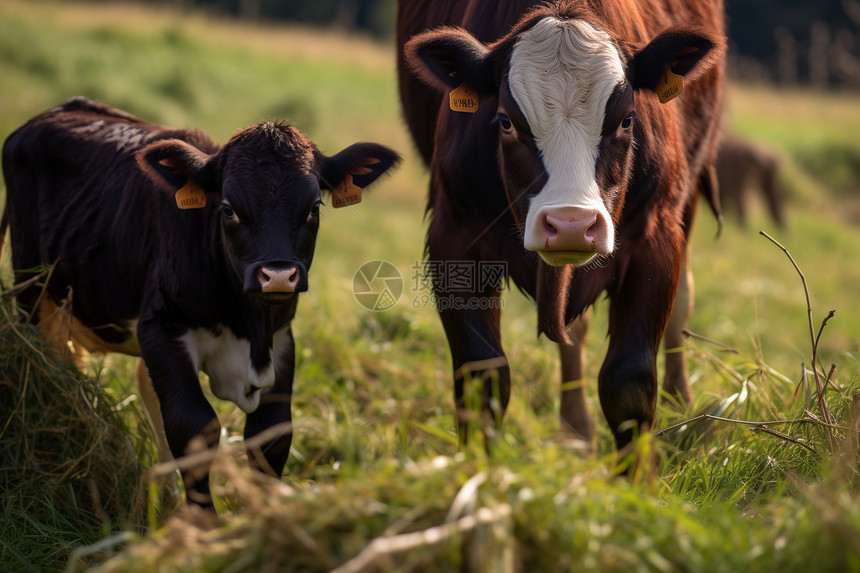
(191, 196)
(463, 99)
(347, 193)
(669, 87)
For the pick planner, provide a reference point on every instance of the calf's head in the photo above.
(268, 181)
(562, 89)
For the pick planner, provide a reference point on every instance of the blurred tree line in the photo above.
(786, 41)
(374, 16)
(796, 41)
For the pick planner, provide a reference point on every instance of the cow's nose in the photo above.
(278, 279)
(575, 229)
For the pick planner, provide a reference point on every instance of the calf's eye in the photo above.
(627, 122)
(227, 212)
(505, 123)
(315, 210)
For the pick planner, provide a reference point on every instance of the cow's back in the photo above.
(77, 200)
(419, 101)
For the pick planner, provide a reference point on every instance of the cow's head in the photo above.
(563, 92)
(267, 182)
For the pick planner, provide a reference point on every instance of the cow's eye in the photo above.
(505, 123)
(627, 122)
(315, 210)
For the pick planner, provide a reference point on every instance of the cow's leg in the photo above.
(470, 314)
(638, 314)
(741, 202)
(190, 423)
(482, 379)
(270, 457)
(576, 420)
(771, 189)
(676, 381)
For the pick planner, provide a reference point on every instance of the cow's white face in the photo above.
(561, 77)
(563, 92)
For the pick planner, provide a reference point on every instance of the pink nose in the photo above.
(279, 280)
(575, 229)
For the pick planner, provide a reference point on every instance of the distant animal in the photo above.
(168, 246)
(550, 151)
(744, 167)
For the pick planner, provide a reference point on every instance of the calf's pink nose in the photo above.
(279, 280)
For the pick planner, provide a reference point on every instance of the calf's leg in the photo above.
(190, 423)
(271, 456)
(169, 484)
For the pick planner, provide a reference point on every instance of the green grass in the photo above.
(375, 451)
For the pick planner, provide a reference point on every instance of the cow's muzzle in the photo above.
(570, 235)
(276, 280)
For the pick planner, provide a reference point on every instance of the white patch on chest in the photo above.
(226, 359)
(562, 74)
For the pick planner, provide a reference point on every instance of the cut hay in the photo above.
(69, 469)
(462, 513)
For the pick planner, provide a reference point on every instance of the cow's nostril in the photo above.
(597, 232)
(252, 390)
(593, 229)
(551, 231)
(263, 277)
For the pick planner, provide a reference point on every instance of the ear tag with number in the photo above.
(670, 86)
(347, 193)
(191, 196)
(463, 99)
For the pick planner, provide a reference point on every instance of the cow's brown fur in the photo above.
(471, 218)
(744, 167)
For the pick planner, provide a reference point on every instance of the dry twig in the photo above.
(379, 550)
(819, 387)
(765, 426)
(711, 341)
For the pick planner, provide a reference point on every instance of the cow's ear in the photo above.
(366, 162)
(171, 163)
(449, 57)
(687, 52)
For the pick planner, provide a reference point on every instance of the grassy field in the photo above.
(375, 452)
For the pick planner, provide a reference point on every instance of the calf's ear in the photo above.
(171, 163)
(365, 162)
(686, 52)
(446, 58)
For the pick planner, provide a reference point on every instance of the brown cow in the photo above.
(567, 167)
(743, 167)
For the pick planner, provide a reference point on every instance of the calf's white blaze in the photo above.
(226, 359)
(562, 73)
